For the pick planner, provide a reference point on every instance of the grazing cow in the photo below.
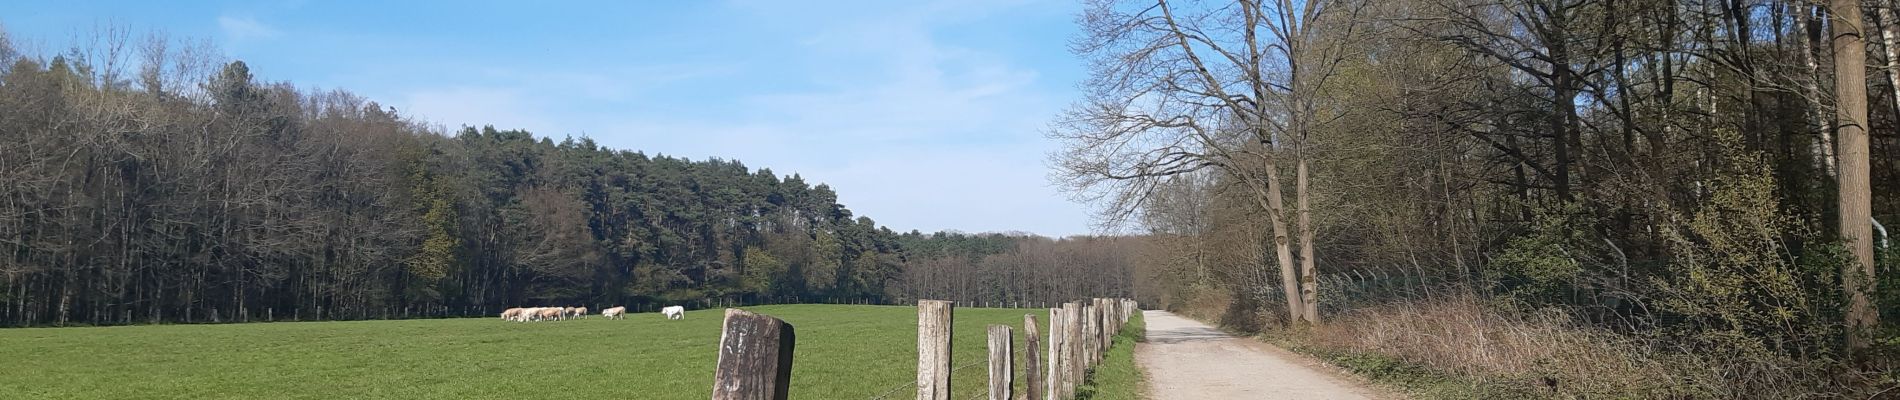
(530, 314)
(550, 314)
(674, 312)
(614, 313)
(511, 314)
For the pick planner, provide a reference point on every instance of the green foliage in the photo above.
(827, 253)
(1735, 281)
(761, 270)
(438, 248)
(1541, 266)
(954, 244)
(437, 253)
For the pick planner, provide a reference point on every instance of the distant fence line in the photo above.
(756, 352)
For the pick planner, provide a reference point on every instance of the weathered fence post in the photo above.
(1091, 329)
(1057, 370)
(1032, 359)
(1001, 363)
(1101, 329)
(755, 358)
(1121, 311)
(933, 349)
(1127, 309)
(1072, 348)
(1105, 325)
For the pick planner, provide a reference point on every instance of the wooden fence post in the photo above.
(933, 349)
(1001, 363)
(1057, 370)
(1072, 349)
(1091, 329)
(1121, 313)
(1104, 329)
(755, 358)
(1032, 359)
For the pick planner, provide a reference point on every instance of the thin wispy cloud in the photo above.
(246, 28)
(913, 128)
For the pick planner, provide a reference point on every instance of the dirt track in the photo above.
(1185, 359)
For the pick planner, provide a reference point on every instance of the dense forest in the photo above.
(1705, 181)
(150, 180)
(1018, 269)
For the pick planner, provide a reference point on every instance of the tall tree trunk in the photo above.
(1824, 144)
(1884, 12)
(1282, 246)
(1565, 101)
(1309, 275)
(1856, 212)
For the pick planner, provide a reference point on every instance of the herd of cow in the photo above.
(562, 313)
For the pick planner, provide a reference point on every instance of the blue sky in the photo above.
(923, 115)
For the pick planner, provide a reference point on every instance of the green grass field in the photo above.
(1117, 377)
(844, 352)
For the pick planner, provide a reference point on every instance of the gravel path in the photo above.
(1185, 359)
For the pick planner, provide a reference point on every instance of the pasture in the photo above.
(844, 352)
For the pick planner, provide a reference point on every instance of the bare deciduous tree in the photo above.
(1233, 87)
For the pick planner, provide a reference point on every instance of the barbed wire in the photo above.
(887, 394)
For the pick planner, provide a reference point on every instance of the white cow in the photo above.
(578, 312)
(674, 312)
(614, 313)
(511, 314)
(549, 314)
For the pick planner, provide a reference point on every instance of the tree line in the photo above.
(1017, 269)
(1713, 172)
(147, 180)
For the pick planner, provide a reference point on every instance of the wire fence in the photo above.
(913, 384)
(1347, 289)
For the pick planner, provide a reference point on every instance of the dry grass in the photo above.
(1497, 354)
(1538, 352)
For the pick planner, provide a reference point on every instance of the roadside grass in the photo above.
(1460, 348)
(1118, 377)
(843, 352)
(1406, 377)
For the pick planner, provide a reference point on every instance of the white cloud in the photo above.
(911, 130)
(477, 106)
(246, 28)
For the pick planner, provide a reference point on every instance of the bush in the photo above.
(1460, 347)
